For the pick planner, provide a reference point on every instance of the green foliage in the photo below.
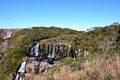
(99, 41)
(1, 55)
(1, 40)
(50, 77)
(109, 76)
(54, 69)
(22, 74)
(67, 61)
(82, 54)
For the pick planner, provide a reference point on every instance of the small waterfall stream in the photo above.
(50, 48)
(21, 70)
(53, 53)
(34, 52)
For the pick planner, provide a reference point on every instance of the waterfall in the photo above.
(21, 70)
(79, 52)
(55, 49)
(35, 50)
(49, 56)
(75, 55)
(53, 53)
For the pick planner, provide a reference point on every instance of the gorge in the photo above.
(53, 53)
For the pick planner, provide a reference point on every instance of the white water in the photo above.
(49, 56)
(35, 50)
(53, 53)
(79, 52)
(21, 70)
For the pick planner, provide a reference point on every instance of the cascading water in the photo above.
(49, 56)
(21, 70)
(79, 52)
(35, 50)
(53, 53)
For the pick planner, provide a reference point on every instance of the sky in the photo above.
(74, 14)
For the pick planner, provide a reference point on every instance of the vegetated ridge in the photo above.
(101, 62)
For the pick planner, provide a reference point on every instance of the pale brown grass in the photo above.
(96, 69)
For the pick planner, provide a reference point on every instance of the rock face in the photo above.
(4, 46)
(36, 67)
(5, 34)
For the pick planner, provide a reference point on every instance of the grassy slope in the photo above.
(99, 40)
(85, 69)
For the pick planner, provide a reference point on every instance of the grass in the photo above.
(99, 68)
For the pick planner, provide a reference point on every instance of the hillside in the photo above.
(56, 54)
(4, 35)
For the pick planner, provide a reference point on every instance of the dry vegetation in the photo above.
(98, 69)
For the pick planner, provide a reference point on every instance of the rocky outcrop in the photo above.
(36, 67)
(4, 35)
(4, 46)
(7, 33)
